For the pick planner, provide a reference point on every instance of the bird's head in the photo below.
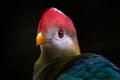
(56, 33)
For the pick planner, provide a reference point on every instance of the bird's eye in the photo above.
(60, 33)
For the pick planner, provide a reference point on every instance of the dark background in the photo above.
(97, 23)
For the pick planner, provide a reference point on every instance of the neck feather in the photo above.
(49, 55)
(52, 53)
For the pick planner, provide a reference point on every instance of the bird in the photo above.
(60, 55)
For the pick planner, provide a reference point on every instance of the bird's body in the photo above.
(88, 66)
(60, 57)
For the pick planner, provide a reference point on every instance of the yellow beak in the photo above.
(40, 39)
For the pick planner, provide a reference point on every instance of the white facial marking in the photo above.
(64, 42)
(56, 41)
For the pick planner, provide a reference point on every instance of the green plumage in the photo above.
(84, 67)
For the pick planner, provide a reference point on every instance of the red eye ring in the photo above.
(60, 33)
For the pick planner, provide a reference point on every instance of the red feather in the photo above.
(55, 18)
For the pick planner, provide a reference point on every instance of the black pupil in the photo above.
(60, 33)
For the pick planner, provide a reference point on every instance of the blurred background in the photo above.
(97, 23)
